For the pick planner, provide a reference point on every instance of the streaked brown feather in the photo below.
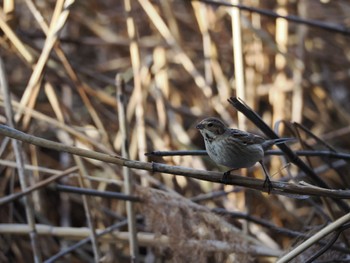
(246, 137)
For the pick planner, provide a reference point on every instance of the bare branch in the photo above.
(281, 188)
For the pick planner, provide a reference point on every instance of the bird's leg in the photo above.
(267, 178)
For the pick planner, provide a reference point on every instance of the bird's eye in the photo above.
(210, 124)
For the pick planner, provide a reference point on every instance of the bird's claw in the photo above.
(269, 184)
(225, 177)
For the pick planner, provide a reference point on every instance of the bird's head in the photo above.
(211, 127)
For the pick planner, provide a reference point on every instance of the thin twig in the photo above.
(213, 195)
(292, 18)
(92, 192)
(6, 199)
(29, 167)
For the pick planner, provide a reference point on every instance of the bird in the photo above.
(235, 148)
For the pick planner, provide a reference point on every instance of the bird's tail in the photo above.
(268, 143)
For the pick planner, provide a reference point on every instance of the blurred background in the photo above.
(180, 61)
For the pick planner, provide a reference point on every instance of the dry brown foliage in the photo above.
(176, 59)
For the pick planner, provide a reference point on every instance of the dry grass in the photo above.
(61, 59)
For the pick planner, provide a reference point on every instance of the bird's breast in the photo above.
(233, 154)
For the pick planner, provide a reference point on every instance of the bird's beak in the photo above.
(200, 126)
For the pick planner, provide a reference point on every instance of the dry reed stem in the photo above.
(18, 150)
(128, 178)
(81, 87)
(312, 82)
(144, 238)
(312, 240)
(40, 116)
(28, 167)
(84, 241)
(87, 200)
(203, 23)
(58, 20)
(238, 59)
(138, 91)
(15, 40)
(179, 52)
(41, 184)
(278, 187)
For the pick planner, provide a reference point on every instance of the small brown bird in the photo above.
(235, 148)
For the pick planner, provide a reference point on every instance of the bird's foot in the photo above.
(268, 184)
(225, 176)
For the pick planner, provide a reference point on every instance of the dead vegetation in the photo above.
(177, 62)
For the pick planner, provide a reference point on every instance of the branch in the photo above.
(281, 188)
(315, 153)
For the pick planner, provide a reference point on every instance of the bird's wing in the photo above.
(245, 137)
